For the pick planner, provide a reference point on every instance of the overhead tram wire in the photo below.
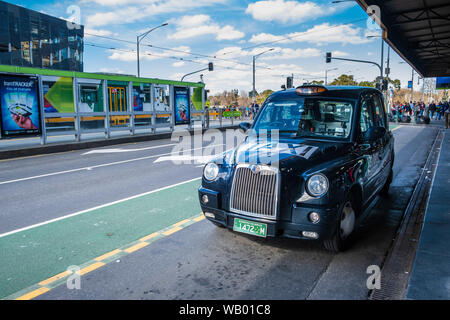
(157, 55)
(198, 55)
(284, 38)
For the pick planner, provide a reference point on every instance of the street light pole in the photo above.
(254, 69)
(139, 38)
(326, 74)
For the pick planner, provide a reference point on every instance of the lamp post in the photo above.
(254, 59)
(139, 39)
(326, 74)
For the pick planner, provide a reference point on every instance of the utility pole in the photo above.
(139, 38)
(254, 69)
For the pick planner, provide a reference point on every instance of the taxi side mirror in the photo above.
(374, 133)
(244, 126)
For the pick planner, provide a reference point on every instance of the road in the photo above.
(142, 211)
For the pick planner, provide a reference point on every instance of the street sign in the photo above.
(410, 83)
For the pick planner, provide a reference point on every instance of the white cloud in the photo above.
(288, 53)
(99, 32)
(338, 53)
(287, 11)
(200, 25)
(129, 56)
(178, 64)
(128, 11)
(319, 34)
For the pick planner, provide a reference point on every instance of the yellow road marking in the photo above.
(136, 247)
(172, 231)
(200, 218)
(107, 255)
(181, 222)
(33, 294)
(150, 236)
(395, 128)
(90, 268)
(54, 278)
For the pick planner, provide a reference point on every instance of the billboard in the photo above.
(181, 105)
(19, 104)
(442, 83)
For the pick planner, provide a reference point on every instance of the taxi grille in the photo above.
(255, 194)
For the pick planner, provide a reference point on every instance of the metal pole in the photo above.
(382, 62)
(326, 77)
(412, 85)
(138, 67)
(253, 93)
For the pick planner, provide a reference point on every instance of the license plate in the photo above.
(250, 227)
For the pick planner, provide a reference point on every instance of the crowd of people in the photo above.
(434, 111)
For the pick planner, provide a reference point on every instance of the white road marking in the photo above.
(120, 150)
(185, 158)
(99, 166)
(95, 208)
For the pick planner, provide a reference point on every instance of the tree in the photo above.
(320, 82)
(367, 84)
(344, 80)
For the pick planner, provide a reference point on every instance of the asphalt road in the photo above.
(194, 261)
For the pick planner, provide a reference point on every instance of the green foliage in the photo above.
(344, 80)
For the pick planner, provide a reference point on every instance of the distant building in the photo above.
(32, 39)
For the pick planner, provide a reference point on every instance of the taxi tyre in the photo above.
(336, 242)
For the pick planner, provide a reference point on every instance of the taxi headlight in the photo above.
(317, 185)
(211, 171)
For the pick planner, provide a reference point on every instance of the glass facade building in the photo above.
(32, 39)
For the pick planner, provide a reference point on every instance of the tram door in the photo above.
(117, 99)
(118, 103)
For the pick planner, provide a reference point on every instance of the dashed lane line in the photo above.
(55, 281)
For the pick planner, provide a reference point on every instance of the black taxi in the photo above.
(310, 166)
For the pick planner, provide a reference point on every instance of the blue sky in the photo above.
(300, 32)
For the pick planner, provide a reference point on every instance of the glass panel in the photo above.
(142, 97)
(97, 122)
(141, 120)
(119, 121)
(60, 124)
(162, 98)
(26, 51)
(58, 95)
(90, 97)
(117, 96)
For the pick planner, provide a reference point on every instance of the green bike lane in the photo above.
(31, 256)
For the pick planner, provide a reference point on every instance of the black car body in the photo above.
(312, 163)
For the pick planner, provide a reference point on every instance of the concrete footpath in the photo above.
(430, 276)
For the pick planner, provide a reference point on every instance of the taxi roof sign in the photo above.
(310, 89)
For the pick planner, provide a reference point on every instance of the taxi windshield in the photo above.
(307, 117)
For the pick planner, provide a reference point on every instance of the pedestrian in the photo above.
(432, 109)
(447, 115)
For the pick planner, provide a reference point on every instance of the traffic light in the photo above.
(385, 85)
(328, 57)
(289, 82)
(210, 66)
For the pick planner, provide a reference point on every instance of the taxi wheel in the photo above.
(341, 236)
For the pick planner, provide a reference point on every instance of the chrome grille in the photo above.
(255, 194)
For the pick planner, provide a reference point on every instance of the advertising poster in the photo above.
(19, 105)
(181, 99)
(58, 96)
(442, 83)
